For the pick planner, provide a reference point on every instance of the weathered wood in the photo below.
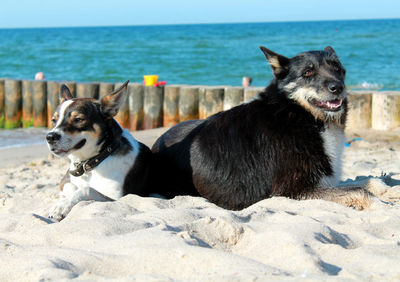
(211, 101)
(171, 105)
(39, 95)
(385, 110)
(53, 99)
(233, 96)
(87, 90)
(251, 92)
(360, 110)
(123, 114)
(105, 88)
(27, 103)
(35, 102)
(13, 103)
(153, 106)
(136, 107)
(2, 100)
(188, 103)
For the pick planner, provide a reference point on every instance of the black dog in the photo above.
(288, 141)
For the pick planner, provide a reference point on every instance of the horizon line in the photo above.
(205, 23)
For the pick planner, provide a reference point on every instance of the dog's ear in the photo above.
(111, 103)
(330, 49)
(65, 94)
(279, 63)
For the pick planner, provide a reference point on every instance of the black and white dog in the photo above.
(106, 161)
(288, 141)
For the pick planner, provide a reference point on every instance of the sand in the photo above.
(190, 239)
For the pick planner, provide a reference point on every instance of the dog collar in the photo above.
(88, 165)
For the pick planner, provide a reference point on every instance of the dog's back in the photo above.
(172, 160)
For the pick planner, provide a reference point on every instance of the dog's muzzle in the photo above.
(54, 142)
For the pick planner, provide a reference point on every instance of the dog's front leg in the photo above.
(72, 195)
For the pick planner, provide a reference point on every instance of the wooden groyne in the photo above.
(31, 103)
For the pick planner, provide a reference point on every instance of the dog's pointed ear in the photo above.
(111, 103)
(279, 63)
(65, 94)
(330, 49)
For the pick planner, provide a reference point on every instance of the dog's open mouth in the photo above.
(332, 105)
(78, 145)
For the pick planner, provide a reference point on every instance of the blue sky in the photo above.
(56, 13)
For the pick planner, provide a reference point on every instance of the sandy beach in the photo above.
(190, 239)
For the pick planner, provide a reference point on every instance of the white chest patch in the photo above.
(333, 138)
(109, 176)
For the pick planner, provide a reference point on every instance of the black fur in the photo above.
(137, 180)
(271, 146)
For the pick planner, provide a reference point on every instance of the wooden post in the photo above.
(2, 98)
(385, 110)
(105, 88)
(39, 95)
(211, 101)
(27, 103)
(171, 105)
(87, 90)
(136, 108)
(53, 99)
(13, 103)
(123, 114)
(359, 114)
(153, 106)
(233, 96)
(188, 103)
(251, 92)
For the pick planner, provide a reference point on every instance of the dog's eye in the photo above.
(78, 120)
(308, 73)
(53, 121)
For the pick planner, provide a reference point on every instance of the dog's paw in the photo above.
(377, 203)
(384, 192)
(60, 210)
(392, 195)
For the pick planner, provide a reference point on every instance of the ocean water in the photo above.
(207, 54)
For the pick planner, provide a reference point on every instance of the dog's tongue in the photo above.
(336, 102)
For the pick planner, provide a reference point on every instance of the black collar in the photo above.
(88, 165)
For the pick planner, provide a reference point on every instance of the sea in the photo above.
(200, 54)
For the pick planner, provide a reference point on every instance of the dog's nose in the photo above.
(336, 87)
(52, 137)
